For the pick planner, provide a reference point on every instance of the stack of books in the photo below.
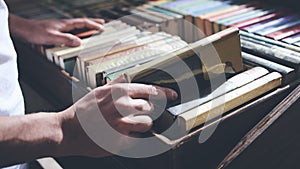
(142, 39)
(119, 47)
(269, 35)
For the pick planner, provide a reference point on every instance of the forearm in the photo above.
(24, 138)
(28, 137)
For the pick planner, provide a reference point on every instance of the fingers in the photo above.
(78, 23)
(166, 92)
(99, 21)
(127, 107)
(144, 91)
(65, 38)
(84, 23)
(135, 90)
(141, 123)
(142, 106)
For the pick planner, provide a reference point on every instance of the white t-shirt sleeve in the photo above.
(11, 99)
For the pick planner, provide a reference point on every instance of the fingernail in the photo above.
(174, 95)
(146, 108)
(153, 91)
(76, 43)
(101, 27)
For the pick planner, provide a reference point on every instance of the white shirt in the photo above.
(11, 99)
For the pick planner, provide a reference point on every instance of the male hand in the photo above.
(118, 107)
(53, 31)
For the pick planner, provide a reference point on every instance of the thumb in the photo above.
(66, 39)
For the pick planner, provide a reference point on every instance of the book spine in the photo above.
(272, 52)
(230, 85)
(288, 74)
(208, 111)
(217, 21)
(255, 20)
(269, 41)
(263, 25)
(285, 33)
(292, 39)
(277, 27)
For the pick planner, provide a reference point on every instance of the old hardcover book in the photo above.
(224, 45)
(220, 105)
(288, 74)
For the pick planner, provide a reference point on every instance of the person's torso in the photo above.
(11, 99)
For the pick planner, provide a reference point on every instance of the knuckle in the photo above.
(120, 89)
(86, 20)
(139, 107)
(65, 21)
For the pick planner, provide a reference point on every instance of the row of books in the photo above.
(145, 56)
(46, 9)
(205, 16)
(119, 47)
(169, 17)
(270, 33)
(211, 16)
(142, 55)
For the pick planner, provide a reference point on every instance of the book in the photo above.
(210, 110)
(292, 39)
(272, 52)
(269, 41)
(255, 20)
(297, 43)
(206, 19)
(93, 43)
(168, 24)
(285, 33)
(195, 74)
(187, 9)
(176, 22)
(150, 51)
(199, 30)
(140, 23)
(278, 27)
(60, 55)
(267, 24)
(128, 44)
(210, 22)
(288, 74)
(223, 24)
(110, 28)
(217, 19)
(221, 43)
(230, 85)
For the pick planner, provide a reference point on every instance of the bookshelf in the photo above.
(189, 153)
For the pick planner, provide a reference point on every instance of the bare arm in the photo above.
(24, 138)
(124, 106)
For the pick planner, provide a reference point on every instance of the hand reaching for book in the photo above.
(53, 31)
(120, 107)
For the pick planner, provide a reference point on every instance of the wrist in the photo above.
(69, 131)
(15, 25)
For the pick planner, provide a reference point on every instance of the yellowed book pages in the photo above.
(225, 46)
